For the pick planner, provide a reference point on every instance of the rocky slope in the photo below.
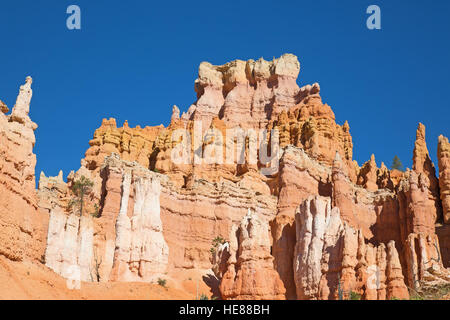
(264, 168)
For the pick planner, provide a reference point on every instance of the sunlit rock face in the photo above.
(381, 212)
(332, 259)
(130, 239)
(241, 95)
(318, 226)
(196, 214)
(249, 271)
(141, 251)
(53, 193)
(22, 229)
(132, 249)
(419, 210)
(69, 249)
(245, 92)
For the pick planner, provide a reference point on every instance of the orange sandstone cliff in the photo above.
(256, 162)
(22, 228)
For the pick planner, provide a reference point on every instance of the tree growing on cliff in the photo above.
(397, 164)
(217, 241)
(80, 188)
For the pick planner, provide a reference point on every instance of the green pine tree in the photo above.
(80, 188)
(397, 164)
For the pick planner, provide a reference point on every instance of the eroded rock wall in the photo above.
(131, 237)
(126, 244)
(141, 252)
(69, 249)
(22, 228)
(132, 144)
(367, 229)
(240, 95)
(248, 92)
(419, 210)
(332, 259)
(444, 176)
(250, 274)
(300, 176)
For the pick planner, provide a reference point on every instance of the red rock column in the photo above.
(22, 229)
(420, 208)
(444, 176)
(250, 274)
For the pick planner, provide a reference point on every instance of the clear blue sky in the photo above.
(133, 60)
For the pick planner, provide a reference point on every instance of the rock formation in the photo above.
(245, 92)
(3, 107)
(141, 251)
(424, 260)
(315, 159)
(53, 192)
(332, 259)
(240, 95)
(301, 219)
(368, 175)
(130, 242)
(419, 210)
(250, 274)
(69, 249)
(444, 176)
(372, 212)
(196, 214)
(299, 177)
(132, 144)
(422, 165)
(22, 233)
(443, 231)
